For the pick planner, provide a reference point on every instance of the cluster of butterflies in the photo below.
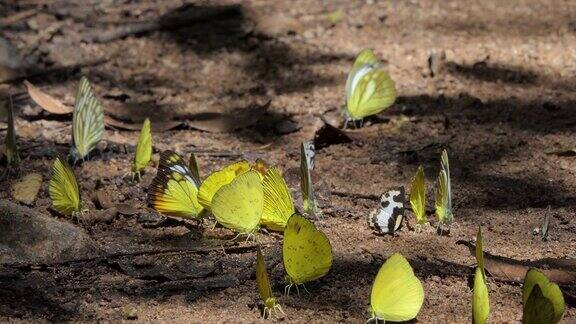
(244, 197)
(543, 302)
(390, 213)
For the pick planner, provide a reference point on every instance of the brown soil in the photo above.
(502, 99)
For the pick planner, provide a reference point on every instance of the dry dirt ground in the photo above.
(251, 80)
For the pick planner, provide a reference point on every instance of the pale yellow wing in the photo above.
(397, 294)
(143, 148)
(371, 91)
(278, 204)
(418, 196)
(238, 205)
(217, 179)
(63, 188)
(306, 251)
(480, 300)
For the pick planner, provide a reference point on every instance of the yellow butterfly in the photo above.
(369, 89)
(143, 149)
(306, 167)
(443, 201)
(63, 189)
(218, 179)
(418, 196)
(26, 190)
(87, 121)
(306, 251)
(270, 303)
(480, 298)
(278, 204)
(543, 299)
(397, 294)
(11, 148)
(239, 204)
(174, 190)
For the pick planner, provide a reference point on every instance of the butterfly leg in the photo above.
(297, 291)
(279, 308)
(235, 237)
(287, 290)
(306, 290)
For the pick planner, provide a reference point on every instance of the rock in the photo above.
(27, 236)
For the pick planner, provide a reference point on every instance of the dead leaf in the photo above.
(26, 189)
(46, 101)
(157, 126)
(507, 269)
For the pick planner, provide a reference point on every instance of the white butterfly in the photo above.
(388, 217)
(306, 167)
(87, 121)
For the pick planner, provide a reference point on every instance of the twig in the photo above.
(13, 19)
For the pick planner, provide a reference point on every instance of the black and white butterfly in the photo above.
(389, 215)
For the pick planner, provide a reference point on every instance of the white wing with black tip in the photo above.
(389, 215)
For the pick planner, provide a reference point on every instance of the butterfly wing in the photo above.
(388, 217)
(306, 251)
(239, 204)
(418, 196)
(446, 168)
(173, 191)
(26, 190)
(538, 309)
(193, 166)
(87, 121)
(371, 91)
(397, 294)
(143, 149)
(218, 179)
(364, 58)
(278, 204)
(262, 277)
(480, 253)
(480, 300)
(306, 167)
(550, 290)
(63, 188)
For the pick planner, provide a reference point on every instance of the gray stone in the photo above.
(27, 236)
